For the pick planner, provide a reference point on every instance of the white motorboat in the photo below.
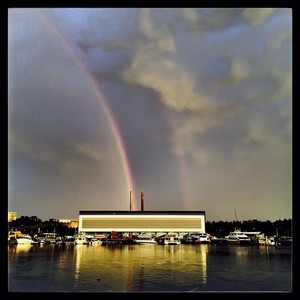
(203, 238)
(94, 241)
(145, 239)
(80, 239)
(26, 240)
(171, 240)
(237, 237)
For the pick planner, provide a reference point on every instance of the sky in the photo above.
(191, 106)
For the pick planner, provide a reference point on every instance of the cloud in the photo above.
(158, 35)
(251, 76)
(203, 19)
(70, 157)
(265, 141)
(239, 70)
(256, 16)
(155, 66)
(201, 156)
(90, 151)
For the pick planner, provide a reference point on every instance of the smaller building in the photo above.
(70, 223)
(12, 216)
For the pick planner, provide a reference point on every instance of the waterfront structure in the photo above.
(69, 223)
(141, 221)
(12, 216)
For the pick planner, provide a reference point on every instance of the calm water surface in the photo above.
(149, 268)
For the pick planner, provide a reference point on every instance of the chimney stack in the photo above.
(130, 203)
(142, 201)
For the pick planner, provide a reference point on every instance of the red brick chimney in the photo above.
(130, 199)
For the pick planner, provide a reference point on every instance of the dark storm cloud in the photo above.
(206, 19)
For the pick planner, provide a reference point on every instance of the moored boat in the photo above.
(145, 239)
(284, 241)
(188, 239)
(237, 237)
(26, 240)
(80, 239)
(171, 240)
(203, 238)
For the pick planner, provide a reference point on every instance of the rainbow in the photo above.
(112, 122)
(67, 44)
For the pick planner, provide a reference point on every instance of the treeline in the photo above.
(279, 227)
(33, 225)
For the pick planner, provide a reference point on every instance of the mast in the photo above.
(235, 215)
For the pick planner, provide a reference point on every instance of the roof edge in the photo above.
(137, 212)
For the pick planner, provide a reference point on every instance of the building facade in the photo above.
(141, 221)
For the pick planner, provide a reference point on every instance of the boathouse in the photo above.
(141, 221)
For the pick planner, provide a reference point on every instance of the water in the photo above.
(149, 268)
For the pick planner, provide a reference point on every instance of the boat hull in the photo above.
(26, 241)
(237, 242)
(146, 242)
(23, 242)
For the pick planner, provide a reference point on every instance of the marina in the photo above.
(235, 237)
(119, 251)
(123, 227)
(148, 251)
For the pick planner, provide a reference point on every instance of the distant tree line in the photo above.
(33, 225)
(279, 227)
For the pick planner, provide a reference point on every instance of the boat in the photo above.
(13, 235)
(68, 239)
(171, 240)
(265, 241)
(203, 238)
(94, 241)
(284, 241)
(80, 239)
(145, 239)
(26, 240)
(237, 237)
(188, 239)
(118, 241)
(160, 239)
(49, 238)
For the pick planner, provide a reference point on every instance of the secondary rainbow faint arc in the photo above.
(113, 124)
(180, 162)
